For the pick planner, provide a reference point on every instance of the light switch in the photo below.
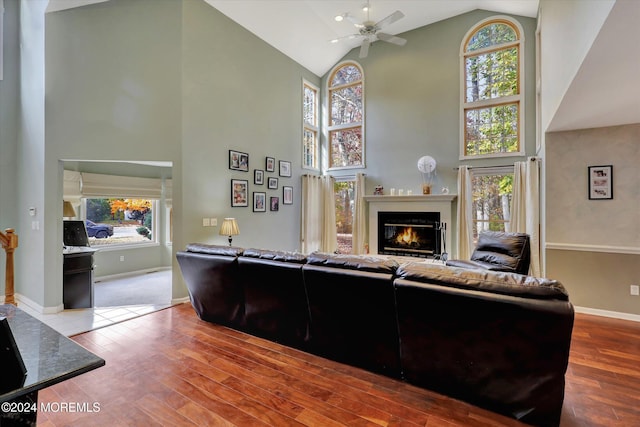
(214, 222)
(205, 222)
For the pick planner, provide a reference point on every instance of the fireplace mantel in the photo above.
(442, 203)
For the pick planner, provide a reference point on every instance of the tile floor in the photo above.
(72, 322)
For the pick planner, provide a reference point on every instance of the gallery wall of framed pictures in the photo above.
(277, 191)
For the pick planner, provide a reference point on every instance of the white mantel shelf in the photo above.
(412, 198)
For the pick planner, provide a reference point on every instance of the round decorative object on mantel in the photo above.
(427, 164)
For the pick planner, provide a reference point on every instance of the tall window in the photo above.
(346, 116)
(344, 191)
(309, 126)
(492, 101)
(491, 199)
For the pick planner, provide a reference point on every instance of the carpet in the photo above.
(150, 288)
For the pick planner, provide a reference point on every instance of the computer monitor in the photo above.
(75, 233)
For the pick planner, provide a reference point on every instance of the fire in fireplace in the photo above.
(413, 234)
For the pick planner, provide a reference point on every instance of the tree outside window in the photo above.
(492, 98)
(131, 219)
(346, 116)
(491, 201)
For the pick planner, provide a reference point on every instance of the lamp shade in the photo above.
(67, 209)
(229, 227)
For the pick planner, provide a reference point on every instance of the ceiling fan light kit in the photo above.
(369, 31)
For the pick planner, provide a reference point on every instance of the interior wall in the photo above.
(412, 102)
(113, 93)
(593, 246)
(238, 94)
(9, 123)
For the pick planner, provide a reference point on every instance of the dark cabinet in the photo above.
(77, 284)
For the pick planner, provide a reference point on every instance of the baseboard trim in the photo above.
(34, 306)
(176, 301)
(98, 279)
(593, 248)
(607, 313)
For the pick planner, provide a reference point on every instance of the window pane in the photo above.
(491, 35)
(491, 130)
(309, 106)
(346, 105)
(346, 147)
(491, 202)
(346, 74)
(309, 147)
(130, 220)
(344, 193)
(492, 75)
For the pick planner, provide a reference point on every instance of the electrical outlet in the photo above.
(635, 290)
(121, 258)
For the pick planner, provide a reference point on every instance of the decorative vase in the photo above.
(426, 189)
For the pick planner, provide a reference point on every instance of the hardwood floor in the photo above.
(170, 368)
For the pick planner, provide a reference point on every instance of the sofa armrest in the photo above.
(202, 248)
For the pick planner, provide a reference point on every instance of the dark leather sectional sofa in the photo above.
(498, 340)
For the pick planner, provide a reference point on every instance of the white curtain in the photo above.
(318, 214)
(525, 207)
(359, 216)
(465, 227)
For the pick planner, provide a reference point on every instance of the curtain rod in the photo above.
(532, 158)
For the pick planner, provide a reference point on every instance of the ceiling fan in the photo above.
(369, 30)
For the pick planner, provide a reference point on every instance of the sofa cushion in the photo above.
(214, 249)
(498, 248)
(497, 282)
(353, 262)
(284, 256)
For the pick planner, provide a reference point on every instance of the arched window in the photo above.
(346, 116)
(492, 81)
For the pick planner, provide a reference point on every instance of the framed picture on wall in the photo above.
(258, 176)
(600, 182)
(238, 161)
(287, 195)
(274, 203)
(285, 168)
(272, 183)
(239, 193)
(259, 202)
(270, 164)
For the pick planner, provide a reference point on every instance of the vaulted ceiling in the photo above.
(603, 93)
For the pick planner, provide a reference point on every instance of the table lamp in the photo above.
(229, 228)
(67, 210)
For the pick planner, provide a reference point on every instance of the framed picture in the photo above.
(285, 168)
(274, 203)
(600, 182)
(258, 176)
(238, 161)
(272, 183)
(287, 195)
(239, 193)
(259, 202)
(270, 164)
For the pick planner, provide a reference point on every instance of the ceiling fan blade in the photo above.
(364, 49)
(354, 21)
(391, 39)
(349, 37)
(390, 19)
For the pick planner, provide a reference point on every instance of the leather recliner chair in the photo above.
(499, 251)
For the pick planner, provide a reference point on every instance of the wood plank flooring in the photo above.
(169, 368)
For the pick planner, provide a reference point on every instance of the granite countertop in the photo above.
(49, 356)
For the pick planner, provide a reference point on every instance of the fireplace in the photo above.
(414, 234)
